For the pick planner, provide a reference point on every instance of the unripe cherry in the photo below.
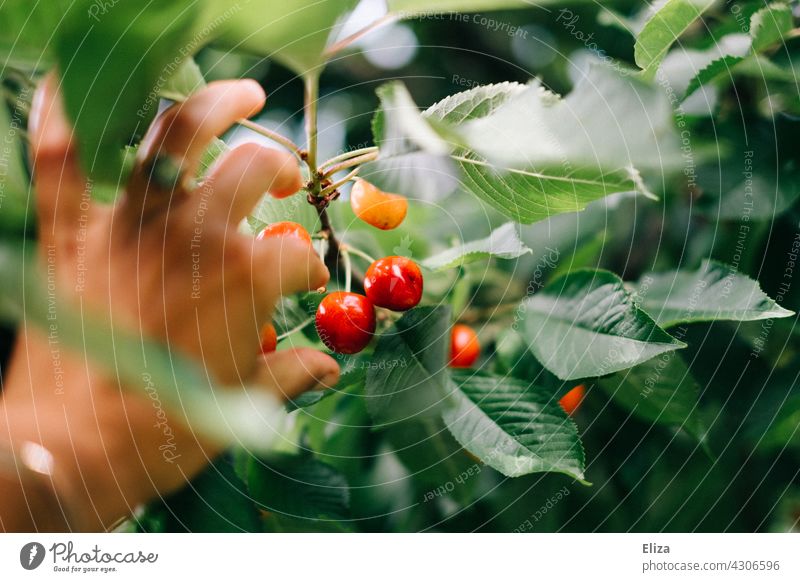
(284, 229)
(394, 283)
(345, 322)
(381, 209)
(464, 346)
(571, 401)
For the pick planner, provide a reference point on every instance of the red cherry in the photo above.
(284, 229)
(345, 322)
(269, 338)
(464, 346)
(571, 401)
(394, 283)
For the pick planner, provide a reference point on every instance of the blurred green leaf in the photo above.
(586, 324)
(409, 8)
(112, 68)
(27, 30)
(295, 33)
(14, 181)
(669, 21)
(513, 426)
(216, 501)
(718, 68)
(714, 292)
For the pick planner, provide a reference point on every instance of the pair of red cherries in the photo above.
(346, 321)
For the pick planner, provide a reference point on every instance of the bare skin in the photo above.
(141, 258)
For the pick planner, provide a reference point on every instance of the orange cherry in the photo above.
(464, 346)
(380, 209)
(571, 401)
(269, 338)
(284, 229)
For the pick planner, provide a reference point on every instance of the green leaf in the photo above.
(27, 30)
(661, 390)
(413, 158)
(216, 501)
(714, 292)
(769, 25)
(531, 154)
(513, 426)
(14, 181)
(586, 324)
(186, 80)
(299, 487)
(295, 33)
(409, 379)
(503, 243)
(663, 28)
(718, 68)
(408, 8)
(111, 70)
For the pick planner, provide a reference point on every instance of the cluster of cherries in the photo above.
(346, 321)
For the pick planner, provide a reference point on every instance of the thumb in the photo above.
(289, 373)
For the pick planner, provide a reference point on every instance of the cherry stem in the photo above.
(349, 163)
(274, 136)
(347, 156)
(336, 185)
(360, 253)
(295, 329)
(348, 268)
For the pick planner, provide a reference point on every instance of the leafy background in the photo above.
(658, 295)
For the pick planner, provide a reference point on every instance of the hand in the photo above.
(164, 262)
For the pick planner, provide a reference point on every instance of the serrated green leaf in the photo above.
(663, 28)
(713, 71)
(413, 158)
(586, 324)
(412, 383)
(299, 487)
(503, 243)
(770, 24)
(531, 154)
(512, 426)
(714, 292)
(661, 390)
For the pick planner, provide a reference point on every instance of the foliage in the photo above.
(607, 194)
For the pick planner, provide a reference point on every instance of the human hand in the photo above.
(168, 264)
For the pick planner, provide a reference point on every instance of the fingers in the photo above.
(182, 132)
(289, 373)
(59, 182)
(243, 175)
(287, 265)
